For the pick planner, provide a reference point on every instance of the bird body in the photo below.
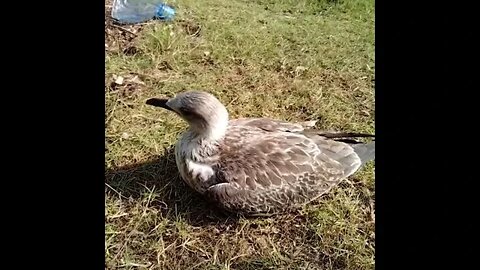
(259, 166)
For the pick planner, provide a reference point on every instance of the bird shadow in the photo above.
(158, 178)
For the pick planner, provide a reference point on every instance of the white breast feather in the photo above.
(198, 170)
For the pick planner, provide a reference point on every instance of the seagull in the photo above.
(259, 166)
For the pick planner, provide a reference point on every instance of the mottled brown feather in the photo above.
(270, 171)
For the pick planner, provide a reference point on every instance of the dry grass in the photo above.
(292, 60)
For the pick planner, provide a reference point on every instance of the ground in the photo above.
(291, 60)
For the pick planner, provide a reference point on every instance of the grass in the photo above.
(291, 60)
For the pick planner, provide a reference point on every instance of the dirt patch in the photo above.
(127, 88)
(191, 28)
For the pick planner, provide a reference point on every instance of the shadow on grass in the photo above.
(158, 183)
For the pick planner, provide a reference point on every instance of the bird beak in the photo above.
(159, 102)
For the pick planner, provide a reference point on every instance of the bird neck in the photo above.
(214, 130)
(201, 147)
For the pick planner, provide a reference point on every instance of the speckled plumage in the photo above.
(259, 166)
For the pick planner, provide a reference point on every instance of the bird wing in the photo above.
(264, 171)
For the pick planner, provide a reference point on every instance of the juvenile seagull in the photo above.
(259, 166)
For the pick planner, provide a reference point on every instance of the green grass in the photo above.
(291, 60)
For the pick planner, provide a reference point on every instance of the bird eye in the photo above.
(185, 112)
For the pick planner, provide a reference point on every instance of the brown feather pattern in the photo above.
(263, 166)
